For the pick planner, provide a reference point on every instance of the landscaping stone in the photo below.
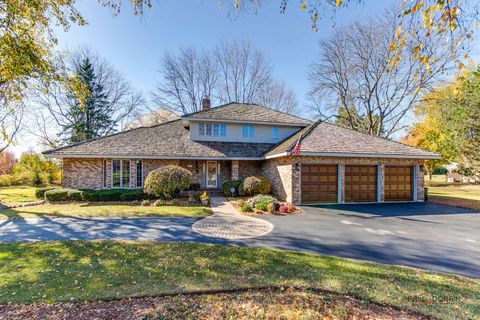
(227, 223)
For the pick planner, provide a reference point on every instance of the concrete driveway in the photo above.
(420, 235)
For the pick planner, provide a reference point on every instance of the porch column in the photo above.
(235, 169)
(381, 182)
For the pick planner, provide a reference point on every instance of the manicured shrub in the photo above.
(264, 198)
(114, 195)
(246, 208)
(40, 192)
(271, 208)
(256, 185)
(228, 185)
(61, 194)
(167, 182)
(283, 209)
(145, 203)
(262, 206)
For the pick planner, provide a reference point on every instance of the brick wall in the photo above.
(249, 168)
(82, 173)
(279, 171)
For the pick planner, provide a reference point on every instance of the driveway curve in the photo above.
(227, 223)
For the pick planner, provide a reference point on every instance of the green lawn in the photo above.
(17, 194)
(77, 270)
(102, 210)
(454, 194)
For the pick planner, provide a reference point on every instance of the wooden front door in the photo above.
(319, 183)
(360, 183)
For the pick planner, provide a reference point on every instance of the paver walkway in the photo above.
(227, 223)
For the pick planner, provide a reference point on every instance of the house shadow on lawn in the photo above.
(395, 209)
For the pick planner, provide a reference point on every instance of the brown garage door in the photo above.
(360, 183)
(398, 183)
(319, 183)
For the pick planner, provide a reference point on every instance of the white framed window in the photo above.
(275, 133)
(120, 173)
(212, 129)
(248, 131)
(139, 165)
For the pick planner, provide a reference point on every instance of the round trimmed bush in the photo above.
(167, 182)
(256, 185)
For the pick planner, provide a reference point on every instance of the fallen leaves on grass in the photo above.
(253, 304)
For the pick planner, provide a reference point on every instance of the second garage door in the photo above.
(319, 183)
(360, 183)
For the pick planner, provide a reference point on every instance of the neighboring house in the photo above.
(235, 141)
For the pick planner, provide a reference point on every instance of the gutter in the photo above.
(278, 155)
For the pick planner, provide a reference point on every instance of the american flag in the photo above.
(298, 146)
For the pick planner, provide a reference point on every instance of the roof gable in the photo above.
(246, 112)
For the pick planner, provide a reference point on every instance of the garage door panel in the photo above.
(360, 183)
(398, 183)
(319, 183)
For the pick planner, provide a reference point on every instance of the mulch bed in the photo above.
(252, 304)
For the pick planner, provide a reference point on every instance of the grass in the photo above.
(102, 210)
(17, 194)
(77, 270)
(456, 194)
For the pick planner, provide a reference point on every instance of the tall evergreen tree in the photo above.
(93, 117)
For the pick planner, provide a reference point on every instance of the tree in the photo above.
(33, 168)
(276, 95)
(354, 75)
(7, 162)
(243, 72)
(89, 99)
(152, 118)
(448, 122)
(187, 78)
(232, 72)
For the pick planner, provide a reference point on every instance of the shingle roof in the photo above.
(247, 112)
(326, 138)
(166, 140)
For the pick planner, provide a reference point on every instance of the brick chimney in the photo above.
(206, 104)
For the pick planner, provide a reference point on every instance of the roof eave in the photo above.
(358, 155)
(187, 119)
(149, 157)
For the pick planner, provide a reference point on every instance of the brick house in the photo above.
(233, 141)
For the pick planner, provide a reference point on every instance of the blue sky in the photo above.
(135, 44)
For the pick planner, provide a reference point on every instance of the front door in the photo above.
(212, 174)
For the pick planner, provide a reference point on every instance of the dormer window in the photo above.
(212, 129)
(248, 131)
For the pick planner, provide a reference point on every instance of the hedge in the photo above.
(56, 195)
(114, 195)
(40, 192)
